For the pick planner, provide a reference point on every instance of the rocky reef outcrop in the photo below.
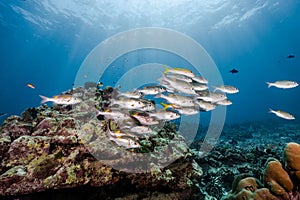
(54, 150)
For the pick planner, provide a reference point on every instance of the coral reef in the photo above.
(291, 160)
(280, 183)
(248, 188)
(277, 179)
(46, 149)
(61, 152)
(242, 149)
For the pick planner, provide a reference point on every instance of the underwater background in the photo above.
(44, 43)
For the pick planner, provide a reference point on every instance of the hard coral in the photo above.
(248, 188)
(291, 159)
(277, 179)
(282, 182)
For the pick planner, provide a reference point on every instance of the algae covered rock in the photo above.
(54, 148)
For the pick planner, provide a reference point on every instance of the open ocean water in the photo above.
(48, 47)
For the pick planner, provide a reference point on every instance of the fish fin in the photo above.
(269, 84)
(158, 95)
(271, 110)
(135, 113)
(182, 69)
(202, 93)
(44, 99)
(214, 88)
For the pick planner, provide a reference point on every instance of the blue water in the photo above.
(45, 42)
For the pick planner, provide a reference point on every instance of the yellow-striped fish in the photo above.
(181, 71)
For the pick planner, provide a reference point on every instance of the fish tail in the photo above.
(269, 84)
(166, 106)
(44, 99)
(167, 69)
(271, 110)
(99, 113)
(135, 113)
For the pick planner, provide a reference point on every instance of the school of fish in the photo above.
(179, 91)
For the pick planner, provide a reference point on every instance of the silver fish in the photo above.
(61, 99)
(199, 86)
(138, 129)
(178, 100)
(114, 114)
(179, 77)
(181, 110)
(152, 90)
(212, 97)
(224, 102)
(200, 79)
(205, 106)
(165, 115)
(145, 119)
(125, 142)
(127, 103)
(283, 84)
(181, 71)
(149, 106)
(118, 133)
(227, 89)
(134, 94)
(282, 114)
(178, 85)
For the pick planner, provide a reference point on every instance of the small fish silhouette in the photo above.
(30, 85)
(290, 56)
(234, 71)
